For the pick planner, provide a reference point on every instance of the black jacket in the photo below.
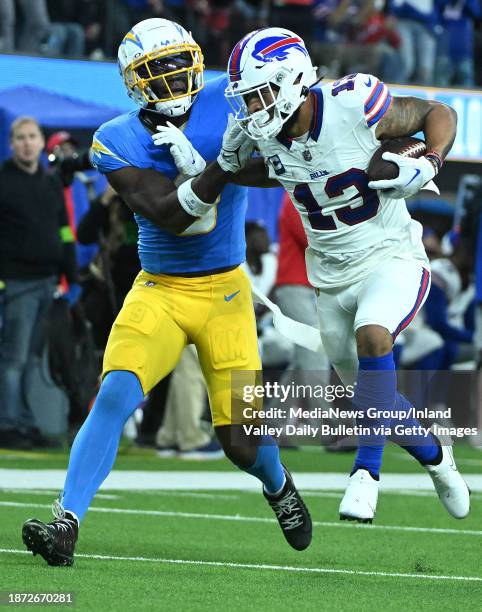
(32, 215)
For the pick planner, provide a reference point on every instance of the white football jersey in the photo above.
(347, 224)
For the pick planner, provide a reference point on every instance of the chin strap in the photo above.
(149, 118)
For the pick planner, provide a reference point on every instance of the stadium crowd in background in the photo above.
(436, 42)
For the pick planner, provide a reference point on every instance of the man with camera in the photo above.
(36, 247)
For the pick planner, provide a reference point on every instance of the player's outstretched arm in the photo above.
(151, 195)
(254, 174)
(409, 115)
(233, 165)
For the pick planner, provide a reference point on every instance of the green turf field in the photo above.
(223, 550)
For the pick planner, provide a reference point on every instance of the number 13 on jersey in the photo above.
(352, 214)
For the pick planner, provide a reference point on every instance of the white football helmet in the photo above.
(274, 64)
(162, 66)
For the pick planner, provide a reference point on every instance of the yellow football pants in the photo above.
(161, 314)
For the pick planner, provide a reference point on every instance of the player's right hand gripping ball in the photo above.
(236, 149)
(399, 167)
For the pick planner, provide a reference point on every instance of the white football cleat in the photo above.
(360, 500)
(451, 488)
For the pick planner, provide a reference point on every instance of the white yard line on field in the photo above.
(403, 492)
(54, 493)
(214, 481)
(255, 519)
(461, 461)
(262, 566)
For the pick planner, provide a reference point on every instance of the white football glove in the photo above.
(188, 161)
(414, 174)
(236, 149)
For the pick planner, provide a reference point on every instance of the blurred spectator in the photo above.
(122, 15)
(7, 26)
(294, 294)
(82, 184)
(418, 23)
(34, 29)
(91, 15)
(471, 232)
(217, 45)
(66, 35)
(447, 316)
(261, 262)
(36, 246)
(444, 311)
(110, 223)
(356, 36)
(296, 15)
(183, 432)
(175, 10)
(246, 16)
(260, 266)
(431, 242)
(380, 34)
(455, 64)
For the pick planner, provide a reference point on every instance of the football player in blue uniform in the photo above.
(191, 288)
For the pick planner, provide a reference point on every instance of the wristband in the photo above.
(435, 159)
(191, 203)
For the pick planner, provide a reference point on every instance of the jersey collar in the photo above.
(316, 120)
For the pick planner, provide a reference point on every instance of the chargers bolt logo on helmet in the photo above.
(162, 66)
(274, 66)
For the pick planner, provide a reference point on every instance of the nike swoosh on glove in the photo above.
(188, 161)
(413, 175)
(236, 149)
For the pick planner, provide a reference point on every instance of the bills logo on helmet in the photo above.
(277, 47)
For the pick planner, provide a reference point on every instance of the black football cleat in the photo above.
(54, 541)
(292, 514)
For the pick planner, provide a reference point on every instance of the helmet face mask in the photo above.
(273, 64)
(162, 66)
(268, 121)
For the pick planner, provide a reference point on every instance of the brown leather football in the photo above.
(380, 169)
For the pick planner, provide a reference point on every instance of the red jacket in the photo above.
(292, 246)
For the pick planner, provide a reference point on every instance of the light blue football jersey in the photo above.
(216, 241)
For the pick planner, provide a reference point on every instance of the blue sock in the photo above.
(267, 466)
(376, 388)
(421, 446)
(95, 446)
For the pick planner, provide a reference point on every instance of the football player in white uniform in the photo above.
(365, 255)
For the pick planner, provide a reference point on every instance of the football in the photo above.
(408, 146)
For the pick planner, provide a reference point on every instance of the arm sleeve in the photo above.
(435, 309)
